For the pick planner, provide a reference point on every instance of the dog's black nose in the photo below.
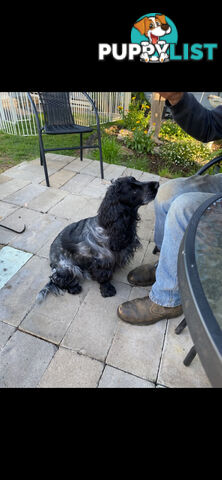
(164, 26)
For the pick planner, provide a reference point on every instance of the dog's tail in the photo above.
(50, 287)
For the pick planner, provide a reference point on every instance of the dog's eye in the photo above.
(151, 26)
(158, 24)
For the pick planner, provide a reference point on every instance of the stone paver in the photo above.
(114, 378)
(11, 186)
(26, 194)
(93, 168)
(38, 229)
(31, 173)
(93, 328)
(47, 200)
(23, 360)
(114, 171)
(6, 332)
(58, 179)
(149, 177)
(78, 183)
(17, 297)
(71, 370)
(59, 224)
(77, 165)
(76, 207)
(132, 172)
(78, 341)
(48, 320)
(174, 373)
(4, 178)
(11, 260)
(6, 209)
(96, 188)
(137, 350)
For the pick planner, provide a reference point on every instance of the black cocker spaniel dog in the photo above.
(96, 246)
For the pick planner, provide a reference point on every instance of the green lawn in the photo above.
(15, 149)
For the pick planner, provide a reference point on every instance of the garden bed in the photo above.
(127, 142)
(177, 156)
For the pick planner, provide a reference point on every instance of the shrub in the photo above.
(184, 153)
(170, 130)
(140, 141)
(138, 116)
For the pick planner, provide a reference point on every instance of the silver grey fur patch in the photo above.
(96, 243)
(67, 264)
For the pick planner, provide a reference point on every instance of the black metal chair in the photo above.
(59, 120)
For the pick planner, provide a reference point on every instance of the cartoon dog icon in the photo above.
(154, 28)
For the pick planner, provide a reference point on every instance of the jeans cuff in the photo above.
(170, 303)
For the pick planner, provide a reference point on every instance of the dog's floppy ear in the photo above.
(143, 25)
(109, 209)
(161, 18)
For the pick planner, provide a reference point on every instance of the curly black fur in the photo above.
(94, 247)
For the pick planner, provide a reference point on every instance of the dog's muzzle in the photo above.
(150, 192)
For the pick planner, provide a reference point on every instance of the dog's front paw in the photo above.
(107, 290)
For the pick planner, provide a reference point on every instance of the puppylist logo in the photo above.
(154, 39)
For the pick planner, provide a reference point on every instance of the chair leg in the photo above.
(40, 149)
(43, 161)
(81, 147)
(100, 155)
(190, 356)
(181, 326)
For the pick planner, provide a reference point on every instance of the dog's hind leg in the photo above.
(102, 273)
(66, 280)
(74, 287)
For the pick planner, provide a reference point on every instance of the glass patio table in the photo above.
(200, 282)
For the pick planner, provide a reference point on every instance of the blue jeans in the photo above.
(175, 203)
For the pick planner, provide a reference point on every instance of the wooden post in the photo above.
(157, 106)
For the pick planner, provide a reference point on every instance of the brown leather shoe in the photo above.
(142, 311)
(143, 276)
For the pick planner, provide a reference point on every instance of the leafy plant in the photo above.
(164, 172)
(140, 141)
(184, 153)
(138, 116)
(170, 130)
(111, 149)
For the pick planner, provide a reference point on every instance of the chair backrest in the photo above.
(56, 108)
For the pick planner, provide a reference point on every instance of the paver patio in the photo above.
(78, 341)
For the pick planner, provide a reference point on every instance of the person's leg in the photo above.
(164, 298)
(170, 190)
(145, 275)
(165, 290)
